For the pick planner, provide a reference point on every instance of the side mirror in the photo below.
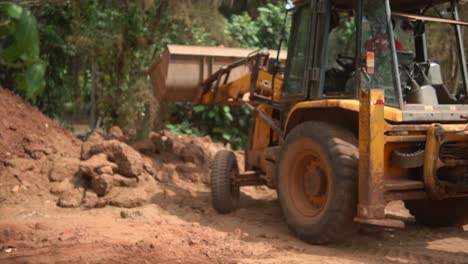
(274, 66)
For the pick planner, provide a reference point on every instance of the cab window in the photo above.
(294, 84)
(341, 52)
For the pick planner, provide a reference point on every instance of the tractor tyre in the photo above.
(317, 182)
(224, 195)
(440, 213)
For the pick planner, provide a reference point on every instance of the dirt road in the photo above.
(179, 226)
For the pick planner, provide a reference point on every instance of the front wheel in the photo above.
(224, 194)
(317, 182)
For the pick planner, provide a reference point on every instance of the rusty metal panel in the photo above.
(371, 154)
(176, 75)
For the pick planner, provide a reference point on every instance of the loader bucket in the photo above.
(180, 70)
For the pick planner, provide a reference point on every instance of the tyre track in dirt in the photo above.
(261, 220)
(180, 232)
(409, 245)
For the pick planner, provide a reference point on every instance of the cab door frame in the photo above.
(309, 47)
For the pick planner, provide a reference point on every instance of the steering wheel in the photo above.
(346, 62)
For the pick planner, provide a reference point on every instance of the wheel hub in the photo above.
(313, 183)
(309, 184)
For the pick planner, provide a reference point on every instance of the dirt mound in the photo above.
(39, 158)
(30, 142)
(27, 133)
(110, 172)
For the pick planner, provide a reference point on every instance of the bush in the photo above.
(262, 32)
(231, 124)
(222, 123)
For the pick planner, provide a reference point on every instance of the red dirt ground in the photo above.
(176, 224)
(26, 132)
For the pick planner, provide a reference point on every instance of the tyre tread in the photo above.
(223, 200)
(338, 221)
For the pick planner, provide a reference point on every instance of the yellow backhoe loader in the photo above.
(357, 114)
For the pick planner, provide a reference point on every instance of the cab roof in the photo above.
(397, 5)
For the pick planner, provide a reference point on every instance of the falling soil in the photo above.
(103, 201)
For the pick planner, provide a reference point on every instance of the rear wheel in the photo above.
(439, 213)
(224, 194)
(317, 182)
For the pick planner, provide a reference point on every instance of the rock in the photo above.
(102, 184)
(191, 172)
(93, 139)
(149, 168)
(41, 226)
(191, 242)
(187, 168)
(59, 188)
(145, 146)
(47, 166)
(64, 168)
(50, 151)
(21, 164)
(106, 170)
(90, 200)
(116, 133)
(166, 173)
(70, 199)
(94, 166)
(163, 176)
(34, 147)
(122, 181)
(129, 198)
(162, 143)
(124, 214)
(192, 153)
(34, 150)
(129, 161)
(130, 214)
(15, 189)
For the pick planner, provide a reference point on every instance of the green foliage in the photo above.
(95, 55)
(222, 123)
(231, 124)
(55, 25)
(262, 32)
(19, 51)
(99, 54)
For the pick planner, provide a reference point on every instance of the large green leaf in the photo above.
(22, 53)
(199, 108)
(25, 47)
(10, 10)
(32, 81)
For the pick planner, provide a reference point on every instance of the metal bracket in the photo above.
(248, 179)
(314, 74)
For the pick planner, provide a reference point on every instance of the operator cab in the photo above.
(338, 47)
